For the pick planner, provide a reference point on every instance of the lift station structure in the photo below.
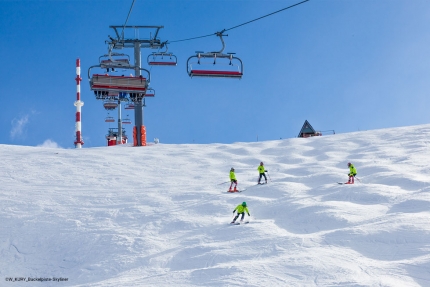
(132, 89)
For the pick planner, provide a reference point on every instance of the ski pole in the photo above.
(269, 176)
(223, 182)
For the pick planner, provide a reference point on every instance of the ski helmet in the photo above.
(232, 169)
(261, 163)
(349, 164)
(244, 203)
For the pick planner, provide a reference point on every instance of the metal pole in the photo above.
(119, 138)
(138, 109)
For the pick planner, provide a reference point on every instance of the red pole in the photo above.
(78, 104)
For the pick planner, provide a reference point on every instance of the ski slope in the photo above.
(158, 215)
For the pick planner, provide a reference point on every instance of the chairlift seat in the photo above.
(212, 73)
(161, 63)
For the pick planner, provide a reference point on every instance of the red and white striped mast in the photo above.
(78, 104)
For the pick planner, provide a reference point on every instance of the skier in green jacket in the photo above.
(241, 208)
(352, 173)
(262, 171)
(232, 180)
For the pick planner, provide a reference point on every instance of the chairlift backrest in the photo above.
(118, 84)
(105, 82)
(120, 63)
(111, 62)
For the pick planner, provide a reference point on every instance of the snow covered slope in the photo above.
(158, 215)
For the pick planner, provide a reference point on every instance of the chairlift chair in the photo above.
(115, 84)
(235, 64)
(129, 106)
(109, 120)
(112, 63)
(162, 58)
(126, 121)
(150, 92)
(110, 105)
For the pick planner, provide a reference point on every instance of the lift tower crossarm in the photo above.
(121, 42)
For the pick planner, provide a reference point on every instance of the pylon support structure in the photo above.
(120, 42)
(78, 104)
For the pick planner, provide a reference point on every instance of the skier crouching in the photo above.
(352, 173)
(241, 208)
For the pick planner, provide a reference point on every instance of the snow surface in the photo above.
(159, 215)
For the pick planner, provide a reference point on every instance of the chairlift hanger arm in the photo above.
(219, 34)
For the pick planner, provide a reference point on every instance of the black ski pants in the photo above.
(243, 216)
(261, 175)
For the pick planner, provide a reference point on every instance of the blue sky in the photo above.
(341, 65)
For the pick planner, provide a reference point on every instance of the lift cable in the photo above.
(126, 20)
(224, 30)
(265, 16)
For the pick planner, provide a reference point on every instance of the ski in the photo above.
(236, 191)
(239, 223)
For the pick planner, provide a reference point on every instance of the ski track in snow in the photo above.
(157, 216)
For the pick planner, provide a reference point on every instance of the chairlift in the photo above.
(129, 106)
(111, 61)
(110, 105)
(150, 92)
(109, 119)
(118, 84)
(217, 66)
(114, 60)
(162, 59)
(126, 121)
